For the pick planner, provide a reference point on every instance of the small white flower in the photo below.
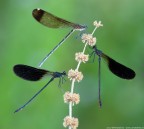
(74, 74)
(89, 39)
(71, 121)
(69, 97)
(97, 24)
(81, 57)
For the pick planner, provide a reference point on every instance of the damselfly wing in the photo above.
(52, 21)
(30, 73)
(118, 69)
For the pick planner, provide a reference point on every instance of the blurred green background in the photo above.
(24, 41)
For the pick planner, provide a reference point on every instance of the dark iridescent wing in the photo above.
(52, 21)
(118, 69)
(30, 73)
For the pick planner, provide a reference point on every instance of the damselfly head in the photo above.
(80, 27)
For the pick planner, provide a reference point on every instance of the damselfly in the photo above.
(115, 67)
(35, 74)
(51, 21)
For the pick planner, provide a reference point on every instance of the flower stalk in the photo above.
(74, 75)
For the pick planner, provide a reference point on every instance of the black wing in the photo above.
(29, 73)
(119, 69)
(52, 21)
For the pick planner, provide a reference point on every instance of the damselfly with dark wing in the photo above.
(115, 67)
(34, 74)
(51, 21)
